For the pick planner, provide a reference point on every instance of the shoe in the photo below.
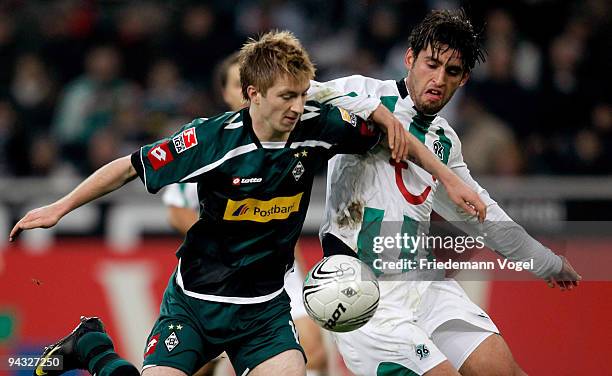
(66, 348)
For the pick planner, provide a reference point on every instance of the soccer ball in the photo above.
(341, 293)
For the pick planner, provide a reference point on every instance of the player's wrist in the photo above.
(63, 206)
(447, 177)
(381, 116)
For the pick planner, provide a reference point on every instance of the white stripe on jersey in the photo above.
(144, 169)
(309, 115)
(226, 299)
(230, 120)
(233, 125)
(311, 108)
(229, 155)
(273, 144)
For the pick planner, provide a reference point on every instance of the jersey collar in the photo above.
(248, 124)
(401, 87)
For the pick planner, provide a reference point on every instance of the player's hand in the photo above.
(566, 279)
(397, 137)
(468, 200)
(44, 217)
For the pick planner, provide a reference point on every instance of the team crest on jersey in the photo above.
(422, 351)
(438, 149)
(185, 140)
(160, 156)
(152, 345)
(298, 171)
(172, 341)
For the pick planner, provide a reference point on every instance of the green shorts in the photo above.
(190, 332)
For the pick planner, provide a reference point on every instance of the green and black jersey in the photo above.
(253, 195)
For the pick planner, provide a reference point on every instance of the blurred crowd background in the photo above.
(83, 82)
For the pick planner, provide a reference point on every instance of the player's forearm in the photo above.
(424, 158)
(105, 180)
(503, 235)
(512, 241)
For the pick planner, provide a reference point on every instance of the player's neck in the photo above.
(263, 130)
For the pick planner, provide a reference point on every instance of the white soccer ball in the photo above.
(341, 293)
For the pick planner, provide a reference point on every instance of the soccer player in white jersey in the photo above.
(426, 326)
(183, 211)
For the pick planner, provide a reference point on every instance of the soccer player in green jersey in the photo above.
(254, 170)
(183, 208)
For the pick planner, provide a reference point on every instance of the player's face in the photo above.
(434, 77)
(232, 91)
(282, 106)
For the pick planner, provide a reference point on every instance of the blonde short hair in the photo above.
(274, 55)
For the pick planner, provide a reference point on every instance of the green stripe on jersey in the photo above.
(446, 142)
(419, 126)
(389, 101)
(370, 228)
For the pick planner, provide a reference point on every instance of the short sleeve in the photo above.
(171, 159)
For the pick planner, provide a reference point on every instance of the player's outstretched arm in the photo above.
(105, 180)
(505, 236)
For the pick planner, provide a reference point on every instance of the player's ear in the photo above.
(409, 58)
(465, 78)
(253, 94)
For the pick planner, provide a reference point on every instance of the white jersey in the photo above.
(418, 323)
(370, 195)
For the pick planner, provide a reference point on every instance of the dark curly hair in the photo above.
(451, 28)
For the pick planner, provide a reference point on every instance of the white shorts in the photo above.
(293, 285)
(416, 331)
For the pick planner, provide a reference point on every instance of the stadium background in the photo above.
(82, 82)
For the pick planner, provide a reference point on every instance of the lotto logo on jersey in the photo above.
(185, 140)
(151, 345)
(160, 156)
(238, 180)
(251, 209)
